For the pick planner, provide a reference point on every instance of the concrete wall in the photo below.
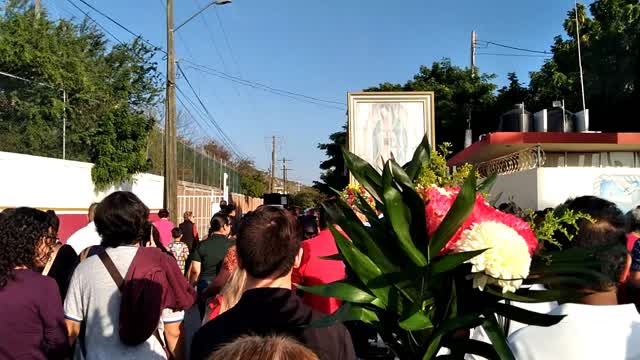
(521, 187)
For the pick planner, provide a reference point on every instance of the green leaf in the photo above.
(416, 207)
(459, 212)
(334, 257)
(362, 265)
(417, 321)
(536, 296)
(399, 217)
(467, 321)
(525, 316)
(420, 159)
(344, 216)
(486, 186)
(497, 337)
(341, 290)
(364, 173)
(452, 261)
(347, 312)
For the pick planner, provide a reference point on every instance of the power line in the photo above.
(515, 48)
(122, 26)
(517, 55)
(223, 135)
(267, 88)
(94, 21)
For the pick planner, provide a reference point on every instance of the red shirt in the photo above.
(314, 271)
(631, 240)
(164, 227)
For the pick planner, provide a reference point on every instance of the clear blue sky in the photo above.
(325, 49)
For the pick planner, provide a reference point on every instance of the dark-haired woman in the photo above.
(151, 238)
(62, 259)
(33, 325)
(206, 259)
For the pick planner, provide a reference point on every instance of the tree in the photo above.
(514, 93)
(217, 150)
(307, 197)
(253, 181)
(610, 44)
(109, 94)
(334, 173)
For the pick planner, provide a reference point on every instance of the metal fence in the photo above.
(194, 165)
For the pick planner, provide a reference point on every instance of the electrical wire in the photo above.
(123, 27)
(517, 55)
(514, 47)
(212, 119)
(256, 85)
(94, 21)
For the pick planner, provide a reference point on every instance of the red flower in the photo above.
(439, 201)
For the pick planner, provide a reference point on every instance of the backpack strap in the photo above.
(111, 268)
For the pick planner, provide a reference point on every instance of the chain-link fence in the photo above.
(194, 165)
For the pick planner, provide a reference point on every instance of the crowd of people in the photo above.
(120, 286)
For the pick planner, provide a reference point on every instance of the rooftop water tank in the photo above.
(516, 120)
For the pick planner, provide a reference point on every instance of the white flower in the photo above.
(506, 262)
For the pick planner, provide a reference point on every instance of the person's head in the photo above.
(163, 213)
(607, 231)
(223, 205)
(54, 222)
(511, 208)
(268, 243)
(25, 241)
(92, 211)
(176, 234)
(263, 348)
(151, 238)
(188, 216)
(220, 224)
(233, 289)
(633, 220)
(231, 210)
(309, 226)
(121, 219)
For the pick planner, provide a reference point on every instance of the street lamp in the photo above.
(170, 158)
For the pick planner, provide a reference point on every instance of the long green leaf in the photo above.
(452, 261)
(486, 186)
(497, 337)
(459, 212)
(525, 316)
(341, 290)
(334, 257)
(399, 217)
(362, 265)
(416, 321)
(536, 296)
(421, 158)
(364, 173)
(344, 216)
(467, 321)
(416, 206)
(347, 312)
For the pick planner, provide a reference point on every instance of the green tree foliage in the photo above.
(307, 197)
(458, 92)
(610, 43)
(252, 181)
(110, 91)
(334, 173)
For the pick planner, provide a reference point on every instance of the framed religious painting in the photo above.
(389, 125)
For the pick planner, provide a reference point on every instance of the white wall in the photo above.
(521, 187)
(65, 185)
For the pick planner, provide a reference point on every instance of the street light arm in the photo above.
(216, 2)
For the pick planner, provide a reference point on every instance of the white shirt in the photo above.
(587, 332)
(85, 237)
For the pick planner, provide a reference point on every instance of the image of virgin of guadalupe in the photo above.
(390, 139)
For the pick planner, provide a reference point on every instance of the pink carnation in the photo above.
(439, 201)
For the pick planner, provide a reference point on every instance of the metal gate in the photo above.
(202, 201)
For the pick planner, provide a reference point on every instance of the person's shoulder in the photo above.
(212, 334)
(330, 342)
(38, 281)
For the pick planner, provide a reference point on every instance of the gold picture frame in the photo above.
(360, 140)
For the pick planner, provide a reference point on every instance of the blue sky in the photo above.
(324, 49)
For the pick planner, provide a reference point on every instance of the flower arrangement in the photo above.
(353, 192)
(440, 259)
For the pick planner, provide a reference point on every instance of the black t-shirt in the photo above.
(267, 311)
(209, 254)
(63, 267)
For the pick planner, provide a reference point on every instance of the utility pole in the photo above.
(273, 164)
(468, 134)
(285, 170)
(170, 165)
(37, 8)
